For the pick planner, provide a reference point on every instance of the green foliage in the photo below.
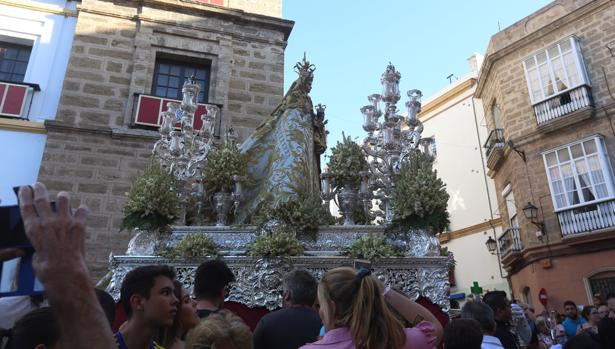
(281, 242)
(222, 164)
(347, 160)
(371, 247)
(192, 246)
(152, 201)
(302, 216)
(419, 197)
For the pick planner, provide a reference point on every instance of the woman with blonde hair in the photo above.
(353, 309)
(220, 330)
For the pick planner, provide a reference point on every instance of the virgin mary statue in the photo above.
(283, 152)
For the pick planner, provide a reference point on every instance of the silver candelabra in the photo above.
(389, 140)
(181, 149)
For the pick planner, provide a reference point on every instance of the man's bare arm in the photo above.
(59, 263)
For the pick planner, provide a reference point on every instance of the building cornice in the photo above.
(39, 8)
(571, 17)
(473, 229)
(22, 126)
(117, 133)
(445, 98)
(234, 15)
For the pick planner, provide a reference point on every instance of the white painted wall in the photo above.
(51, 37)
(459, 129)
(475, 263)
(20, 155)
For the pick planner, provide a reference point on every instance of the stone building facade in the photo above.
(126, 49)
(548, 87)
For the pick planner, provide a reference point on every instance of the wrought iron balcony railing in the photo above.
(510, 241)
(494, 148)
(563, 104)
(494, 141)
(587, 218)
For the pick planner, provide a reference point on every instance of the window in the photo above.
(13, 61)
(602, 283)
(553, 71)
(428, 146)
(511, 206)
(578, 173)
(497, 115)
(169, 78)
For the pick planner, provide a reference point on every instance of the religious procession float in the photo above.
(263, 206)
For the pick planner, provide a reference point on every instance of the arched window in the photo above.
(601, 282)
(527, 296)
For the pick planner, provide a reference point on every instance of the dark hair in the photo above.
(610, 295)
(107, 303)
(301, 286)
(570, 303)
(463, 334)
(581, 341)
(481, 313)
(166, 335)
(39, 326)
(586, 311)
(140, 281)
(496, 300)
(210, 279)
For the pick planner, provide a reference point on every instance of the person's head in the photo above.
(463, 334)
(590, 313)
(542, 326)
(481, 313)
(185, 319)
(570, 310)
(148, 293)
(610, 301)
(500, 305)
(107, 303)
(38, 329)
(582, 341)
(299, 288)
(211, 281)
(603, 311)
(354, 299)
(221, 330)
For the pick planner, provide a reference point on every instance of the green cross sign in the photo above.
(475, 289)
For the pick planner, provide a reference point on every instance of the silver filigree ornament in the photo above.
(183, 152)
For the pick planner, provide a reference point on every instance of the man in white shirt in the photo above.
(482, 313)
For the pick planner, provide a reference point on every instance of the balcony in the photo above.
(510, 241)
(494, 148)
(587, 218)
(147, 111)
(15, 98)
(564, 109)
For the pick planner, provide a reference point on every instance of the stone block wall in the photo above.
(503, 82)
(93, 148)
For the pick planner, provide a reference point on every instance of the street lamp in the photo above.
(492, 245)
(531, 212)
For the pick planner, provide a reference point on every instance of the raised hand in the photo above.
(56, 235)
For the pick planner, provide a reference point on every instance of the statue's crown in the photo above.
(305, 68)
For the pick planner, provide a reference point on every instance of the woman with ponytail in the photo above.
(354, 311)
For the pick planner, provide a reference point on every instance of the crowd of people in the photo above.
(495, 322)
(347, 308)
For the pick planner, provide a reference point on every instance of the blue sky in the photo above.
(351, 42)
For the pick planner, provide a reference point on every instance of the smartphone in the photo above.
(362, 263)
(17, 277)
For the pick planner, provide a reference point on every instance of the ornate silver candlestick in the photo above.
(184, 151)
(390, 140)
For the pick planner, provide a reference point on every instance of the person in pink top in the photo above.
(353, 309)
